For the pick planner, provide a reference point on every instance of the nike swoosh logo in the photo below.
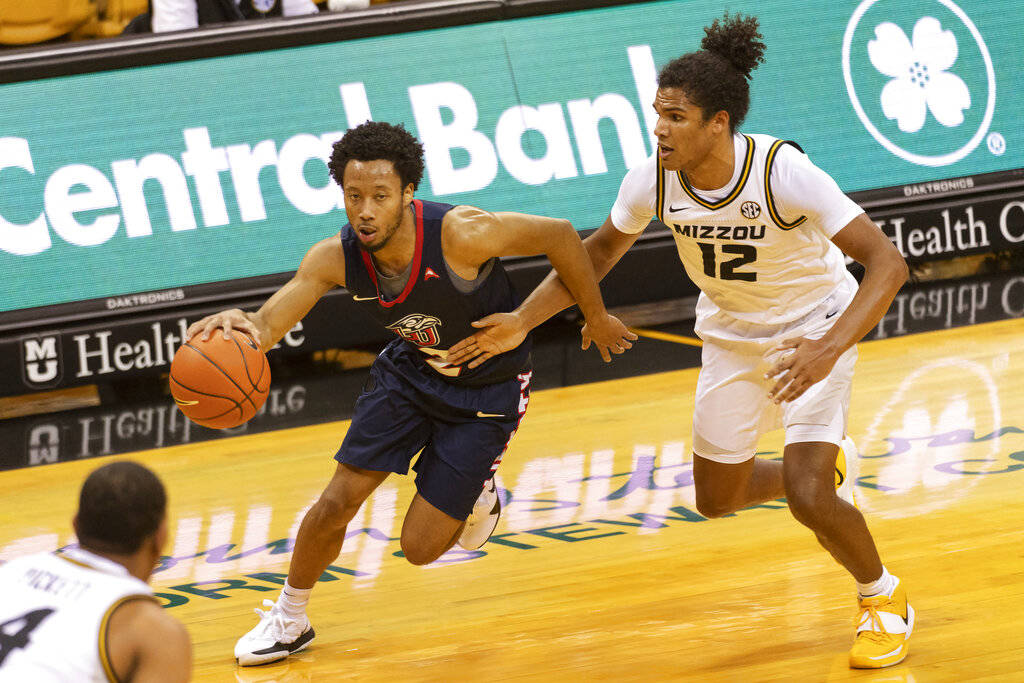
(480, 414)
(673, 209)
(887, 654)
(829, 315)
(185, 403)
(364, 298)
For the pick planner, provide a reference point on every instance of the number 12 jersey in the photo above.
(759, 248)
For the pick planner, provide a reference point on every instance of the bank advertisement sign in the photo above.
(172, 175)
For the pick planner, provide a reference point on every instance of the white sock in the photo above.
(885, 583)
(293, 600)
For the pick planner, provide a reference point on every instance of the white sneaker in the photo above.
(274, 638)
(481, 522)
(847, 469)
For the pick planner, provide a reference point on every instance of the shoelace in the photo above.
(876, 629)
(270, 619)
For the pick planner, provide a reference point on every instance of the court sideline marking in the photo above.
(665, 336)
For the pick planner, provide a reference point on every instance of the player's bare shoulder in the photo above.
(325, 262)
(143, 638)
(467, 234)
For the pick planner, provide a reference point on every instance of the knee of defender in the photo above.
(811, 509)
(418, 554)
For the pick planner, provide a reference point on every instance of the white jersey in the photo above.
(54, 611)
(759, 248)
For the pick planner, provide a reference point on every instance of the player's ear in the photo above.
(720, 122)
(407, 193)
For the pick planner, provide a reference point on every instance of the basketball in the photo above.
(220, 383)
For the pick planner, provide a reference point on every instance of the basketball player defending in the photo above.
(762, 231)
(425, 271)
(88, 613)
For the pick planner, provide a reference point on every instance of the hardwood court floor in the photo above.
(601, 569)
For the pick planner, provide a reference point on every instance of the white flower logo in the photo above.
(920, 81)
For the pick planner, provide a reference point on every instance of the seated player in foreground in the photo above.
(762, 231)
(88, 614)
(425, 271)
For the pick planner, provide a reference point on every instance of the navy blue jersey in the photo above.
(431, 314)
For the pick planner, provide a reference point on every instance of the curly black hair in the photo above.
(378, 140)
(715, 78)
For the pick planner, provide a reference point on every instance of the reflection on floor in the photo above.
(322, 391)
(600, 568)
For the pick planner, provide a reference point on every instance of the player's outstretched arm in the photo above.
(144, 644)
(604, 248)
(322, 269)
(473, 236)
(885, 271)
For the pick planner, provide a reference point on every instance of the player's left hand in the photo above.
(795, 372)
(608, 334)
(499, 332)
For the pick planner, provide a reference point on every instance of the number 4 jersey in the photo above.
(54, 611)
(759, 248)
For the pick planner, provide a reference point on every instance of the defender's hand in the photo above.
(500, 332)
(808, 363)
(609, 335)
(232, 319)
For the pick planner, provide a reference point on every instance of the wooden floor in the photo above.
(602, 570)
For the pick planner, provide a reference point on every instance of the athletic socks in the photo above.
(293, 600)
(884, 584)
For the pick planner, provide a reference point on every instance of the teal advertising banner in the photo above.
(209, 170)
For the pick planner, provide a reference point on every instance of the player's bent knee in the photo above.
(333, 511)
(714, 508)
(418, 554)
(812, 507)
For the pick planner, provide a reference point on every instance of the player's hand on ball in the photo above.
(232, 319)
(809, 362)
(499, 332)
(609, 335)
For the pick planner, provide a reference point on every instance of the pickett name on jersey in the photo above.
(721, 232)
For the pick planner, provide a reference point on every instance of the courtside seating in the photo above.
(23, 22)
(114, 18)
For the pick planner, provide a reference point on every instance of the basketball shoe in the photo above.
(846, 470)
(483, 519)
(883, 624)
(274, 638)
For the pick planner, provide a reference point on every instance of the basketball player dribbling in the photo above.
(425, 271)
(88, 614)
(762, 231)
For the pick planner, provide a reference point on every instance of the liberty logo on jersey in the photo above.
(419, 328)
(904, 61)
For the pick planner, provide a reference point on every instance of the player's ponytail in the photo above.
(737, 39)
(716, 77)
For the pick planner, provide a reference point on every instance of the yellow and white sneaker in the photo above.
(846, 470)
(884, 624)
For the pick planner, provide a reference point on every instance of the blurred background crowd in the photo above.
(31, 22)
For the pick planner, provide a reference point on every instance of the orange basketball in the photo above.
(220, 383)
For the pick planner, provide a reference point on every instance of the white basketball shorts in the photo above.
(732, 408)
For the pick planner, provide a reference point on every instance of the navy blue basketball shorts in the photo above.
(462, 431)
